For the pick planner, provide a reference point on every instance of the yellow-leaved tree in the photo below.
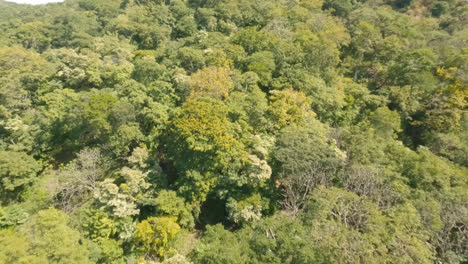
(155, 234)
(211, 82)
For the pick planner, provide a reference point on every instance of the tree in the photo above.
(350, 218)
(169, 204)
(385, 122)
(75, 70)
(125, 139)
(16, 249)
(439, 8)
(249, 104)
(61, 121)
(191, 59)
(78, 180)
(282, 239)
(96, 114)
(21, 73)
(340, 7)
(288, 107)
(245, 210)
(430, 172)
(412, 67)
(212, 248)
(211, 82)
(185, 27)
(33, 35)
(252, 40)
(298, 187)
(305, 158)
(51, 238)
(444, 110)
(100, 228)
(121, 200)
(234, 131)
(202, 138)
(155, 234)
(298, 147)
(263, 64)
(452, 236)
(148, 70)
(17, 171)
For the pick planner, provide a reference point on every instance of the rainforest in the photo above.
(234, 132)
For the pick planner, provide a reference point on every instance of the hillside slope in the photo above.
(234, 131)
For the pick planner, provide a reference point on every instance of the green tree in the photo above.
(96, 114)
(252, 40)
(191, 59)
(17, 171)
(125, 139)
(263, 64)
(339, 7)
(16, 249)
(212, 248)
(169, 204)
(61, 122)
(440, 8)
(385, 122)
(51, 238)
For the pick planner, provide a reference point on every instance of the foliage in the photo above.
(17, 171)
(213, 247)
(155, 234)
(210, 82)
(234, 131)
(168, 203)
(15, 249)
(51, 238)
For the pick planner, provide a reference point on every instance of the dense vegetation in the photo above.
(234, 131)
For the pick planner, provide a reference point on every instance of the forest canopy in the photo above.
(234, 131)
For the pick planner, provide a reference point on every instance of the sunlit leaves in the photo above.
(155, 234)
(210, 82)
